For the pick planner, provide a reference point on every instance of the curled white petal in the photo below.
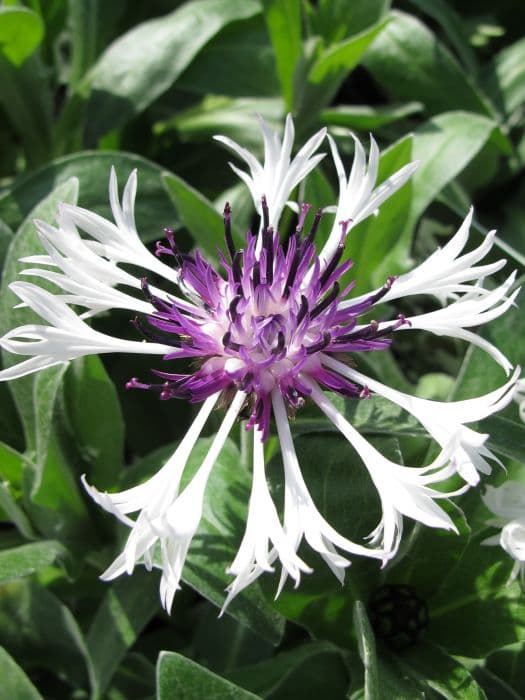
(280, 174)
(507, 502)
(301, 517)
(66, 338)
(445, 421)
(357, 196)
(402, 490)
(263, 529)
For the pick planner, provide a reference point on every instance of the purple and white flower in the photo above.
(272, 328)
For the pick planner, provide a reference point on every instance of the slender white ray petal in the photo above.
(472, 309)
(444, 421)
(519, 396)
(301, 516)
(357, 196)
(67, 336)
(120, 241)
(280, 174)
(180, 521)
(263, 529)
(445, 273)
(402, 490)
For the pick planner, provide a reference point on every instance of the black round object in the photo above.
(397, 615)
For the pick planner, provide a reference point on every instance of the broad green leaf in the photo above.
(220, 67)
(233, 117)
(15, 683)
(27, 559)
(316, 669)
(505, 77)
(25, 96)
(323, 70)
(14, 512)
(410, 63)
(283, 18)
(432, 666)
(6, 236)
(84, 25)
(38, 630)
(153, 209)
(493, 686)
(143, 63)
(367, 651)
(454, 27)
(336, 19)
(365, 117)
(95, 417)
(21, 31)
(199, 216)
(508, 664)
(128, 606)
(178, 677)
(444, 146)
(340, 58)
(471, 577)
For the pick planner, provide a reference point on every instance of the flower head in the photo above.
(507, 503)
(271, 328)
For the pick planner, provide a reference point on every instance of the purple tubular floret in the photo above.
(266, 323)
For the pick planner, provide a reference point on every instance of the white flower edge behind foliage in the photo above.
(507, 503)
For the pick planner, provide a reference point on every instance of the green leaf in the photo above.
(457, 611)
(454, 28)
(14, 512)
(143, 63)
(15, 683)
(508, 664)
(184, 679)
(128, 606)
(367, 651)
(21, 31)
(95, 417)
(505, 77)
(153, 209)
(316, 669)
(233, 117)
(25, 96)
(84, 26)
(25, 560)
(366, 118)
(283, 18)
(336, 19)
(199, 216)
(411, 64)
(445, 145)
(439, 671)
(340, 58)
(219, 68)
(39, 631)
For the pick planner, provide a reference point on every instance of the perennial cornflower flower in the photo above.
(270, 330)
(507, 503)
